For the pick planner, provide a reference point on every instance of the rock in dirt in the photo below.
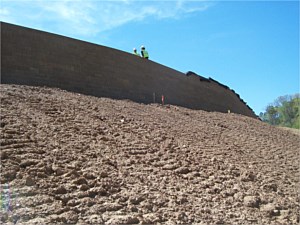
(182, 170)
(84, 187)
(136, 199)
(151, 218)
(69, 217)
(29, 181)
(80, 181)
(123, 220)
(248, 176)
(61, 190)
(252, 201)
(3, 155)
(270, 210)
(8, 176)
(95, 219)
(27, 163)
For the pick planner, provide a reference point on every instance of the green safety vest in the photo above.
(136, 53)
(145, 54)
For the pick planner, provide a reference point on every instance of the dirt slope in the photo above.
(293, 130)
(69, 158)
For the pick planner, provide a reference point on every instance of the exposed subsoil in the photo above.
(67, 158)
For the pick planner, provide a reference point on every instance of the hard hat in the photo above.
(134, 49)
(142, 46)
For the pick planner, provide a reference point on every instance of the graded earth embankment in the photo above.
(73, 159)
(32, 57)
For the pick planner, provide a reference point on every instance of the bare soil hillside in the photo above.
(73, 159)
(293, 130)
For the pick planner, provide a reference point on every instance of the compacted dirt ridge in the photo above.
(67, 158)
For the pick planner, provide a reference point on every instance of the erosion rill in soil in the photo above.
(71, 158)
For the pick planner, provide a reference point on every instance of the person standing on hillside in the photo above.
(135, 52)
(144, 53)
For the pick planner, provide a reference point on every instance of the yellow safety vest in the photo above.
(145, 54)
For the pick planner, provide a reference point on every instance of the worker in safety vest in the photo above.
(144, 52)
(135, 52)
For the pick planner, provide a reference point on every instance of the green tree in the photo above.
(296, 107)
(283, 112)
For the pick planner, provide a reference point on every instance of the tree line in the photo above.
(284, 111)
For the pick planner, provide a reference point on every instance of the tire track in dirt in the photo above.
(70, 158)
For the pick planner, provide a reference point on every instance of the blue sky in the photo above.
(251, 46)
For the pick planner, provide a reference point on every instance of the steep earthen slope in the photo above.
(70, 158)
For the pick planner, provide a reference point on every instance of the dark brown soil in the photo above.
(68, 158)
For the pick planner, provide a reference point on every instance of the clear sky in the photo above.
(250, 46)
